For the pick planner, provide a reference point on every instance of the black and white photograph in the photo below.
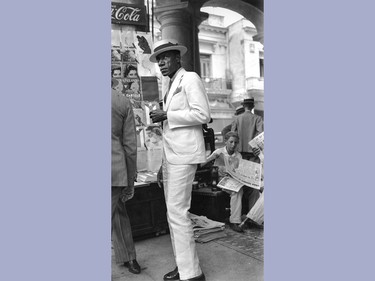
(201, 102)
(181, 159)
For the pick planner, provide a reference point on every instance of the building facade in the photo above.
(228, 58)
(231, 65)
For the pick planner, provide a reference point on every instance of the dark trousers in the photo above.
(122, 237)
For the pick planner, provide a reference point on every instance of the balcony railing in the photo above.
(217, 85)
(256, 83)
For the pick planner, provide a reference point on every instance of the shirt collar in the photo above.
(175, 75)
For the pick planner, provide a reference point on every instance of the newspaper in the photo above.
(202, 225)
(229, 183)
(210, 236)
(256, 213)
(258, 141)
(146, 176)
(245, 171)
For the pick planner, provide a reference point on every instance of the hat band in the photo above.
(169, 44)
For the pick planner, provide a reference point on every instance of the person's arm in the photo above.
(213, 156)
(234, 125)
(130, 143)
(259, 126)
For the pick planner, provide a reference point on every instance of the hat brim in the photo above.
(182, 50)
(247, 102)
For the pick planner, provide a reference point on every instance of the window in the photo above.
(205, 66)
(252, 48)
(261, 67)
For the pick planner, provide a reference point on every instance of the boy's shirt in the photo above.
(219, 155)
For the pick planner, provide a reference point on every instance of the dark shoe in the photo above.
(173, 275)
(198, 278)
(252, 224)
(133, 266)
(235, 227)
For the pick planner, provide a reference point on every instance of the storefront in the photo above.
(134, 75)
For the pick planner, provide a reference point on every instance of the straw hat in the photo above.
(167, 45)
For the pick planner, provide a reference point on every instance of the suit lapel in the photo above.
(174, 86)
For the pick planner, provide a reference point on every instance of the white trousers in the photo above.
(235, 205)
(177, 182)
(257, 211)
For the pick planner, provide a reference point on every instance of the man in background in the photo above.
(124, 168)
(248, 126)
(226, 129)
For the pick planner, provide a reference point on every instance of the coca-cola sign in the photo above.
(128, 14)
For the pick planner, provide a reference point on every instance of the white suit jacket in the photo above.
(187, 109)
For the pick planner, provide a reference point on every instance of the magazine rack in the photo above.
(147, 210)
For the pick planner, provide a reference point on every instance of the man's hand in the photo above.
(158, 115)
(256, 150)
(127, 193)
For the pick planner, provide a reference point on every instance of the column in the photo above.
(180, 21)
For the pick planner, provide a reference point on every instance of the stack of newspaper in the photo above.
(146, 176)
(206, 230)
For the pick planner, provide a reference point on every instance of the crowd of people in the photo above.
(185, 109)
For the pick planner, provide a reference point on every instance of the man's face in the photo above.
(231, 144)
(116, 73)
(168, 62)
(132, 74)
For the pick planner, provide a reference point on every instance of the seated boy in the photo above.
(229, 151)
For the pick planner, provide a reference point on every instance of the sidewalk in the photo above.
(240, 259)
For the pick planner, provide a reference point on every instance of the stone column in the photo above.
(180, 21)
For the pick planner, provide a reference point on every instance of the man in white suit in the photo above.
(185, 110)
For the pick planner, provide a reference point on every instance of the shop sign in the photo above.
(128, 14)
